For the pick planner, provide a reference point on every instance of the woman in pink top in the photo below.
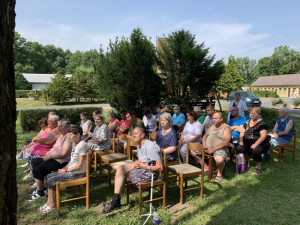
(44, 143)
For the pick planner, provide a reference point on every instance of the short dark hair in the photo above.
(147, 111)
(75, 129)
(97, 111)
(123, 112)
(193, 114)
(131, 113)
(43, 121)
(84, 114)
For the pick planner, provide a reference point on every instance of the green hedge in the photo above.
(296, 102)
(22, 93)
(277, 101)
(30, 118)
(262, 93)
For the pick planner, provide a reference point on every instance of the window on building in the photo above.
(284, 90)
(280, 90)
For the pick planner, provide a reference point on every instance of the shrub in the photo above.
(277, 101)
(262, 93)
(296, 102)
(22, 93)
(285, 104)
(29, 118)
(269, 116)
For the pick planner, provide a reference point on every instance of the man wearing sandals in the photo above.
(215, 141)
(139, 171)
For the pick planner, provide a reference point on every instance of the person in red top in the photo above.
(123, 125)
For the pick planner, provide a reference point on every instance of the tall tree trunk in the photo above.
(8, 187)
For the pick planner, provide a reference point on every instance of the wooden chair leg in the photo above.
(279, 154)
(210, 168)
(100, 166)
(140, 199)
(181, 189)
(95, 163)
(57, 198)
(164, 194)
(109, 175)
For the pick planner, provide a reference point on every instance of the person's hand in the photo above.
(253, 146)
(63, 170)
(241, 143)
(137, 164)
(209, 150)
(34, 139)
(29, 149)
(91, 152)
(26, 146)
(46, 156)
(276, 135)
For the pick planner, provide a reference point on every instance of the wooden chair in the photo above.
(152, 136)
(122, 137)
(211, 172)
(80, 182)
(112, 158)
(185, 171)
(161, 181)
(112, 166)
(131, 149)
(100, 154)
(290, 148)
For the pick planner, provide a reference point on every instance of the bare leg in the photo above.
(198, 160)
(39, 185)
(221, 164)
(51, 198)
(121, 175)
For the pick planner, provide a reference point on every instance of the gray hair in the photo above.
(54, 117)
(176, 107)
(197, 109)
(285, 109)
(100, 116)
(168, 117)
(65, 122)
(51, 113)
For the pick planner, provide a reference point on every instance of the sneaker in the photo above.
(27, 177)
(24, 165)
(108, 207)
(35, 197)
(19, 156)
(35, 192)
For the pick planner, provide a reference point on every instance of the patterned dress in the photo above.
(101, 134)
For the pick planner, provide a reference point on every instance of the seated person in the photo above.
(210, 110)
(100, 141)
(44, 143)
(160, 110)
(166, 137)
(178, 119)
(253, 139)
(149, 121)
(57, 158)
(75, 169)
(85, 123)
(133, 123)
(215, 141)
(236, 124)
(139, 171)
(92, 128)
(123, 125)
(191, 133)
(284, 128)
(248, 115)
(113, 122)
(238, 102)
(25, 152)
(201, 117)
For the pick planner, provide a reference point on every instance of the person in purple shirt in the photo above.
(166, 137)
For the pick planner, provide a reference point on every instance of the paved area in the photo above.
(104, 106)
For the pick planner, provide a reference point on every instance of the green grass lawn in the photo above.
(271, 198)
(28, 103)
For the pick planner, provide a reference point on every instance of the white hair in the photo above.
(168, 117)
(54, 117)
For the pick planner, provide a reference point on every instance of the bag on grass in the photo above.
(241, 166)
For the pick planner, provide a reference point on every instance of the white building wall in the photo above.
(39, 86)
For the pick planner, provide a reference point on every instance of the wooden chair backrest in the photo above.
(196, 147)
(130, 146)
(113, 141)
(152, 135)
(295, 137)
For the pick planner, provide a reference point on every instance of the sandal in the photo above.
(219, 179)
(47, 210)
(257, 171)
(43, 207)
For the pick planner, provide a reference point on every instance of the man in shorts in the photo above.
(215, 141)
(139, 171)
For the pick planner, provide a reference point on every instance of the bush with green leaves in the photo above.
(262, 93)
(30, 118)
(296, 102)
(277, 101)
(22, 93)
(269, 116)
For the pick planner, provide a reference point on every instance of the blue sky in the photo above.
(240, 28)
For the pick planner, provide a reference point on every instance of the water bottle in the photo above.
(155, 217)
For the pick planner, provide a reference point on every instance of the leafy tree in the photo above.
(187, 70)
(60, 90)
(126, 73)
(231, 80)
(246, 67)
(74, 62)
(80, 82)
(284, 60)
